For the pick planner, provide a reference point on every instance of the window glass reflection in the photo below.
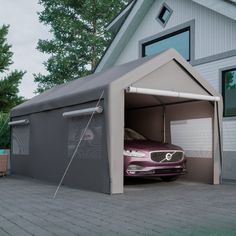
(180, 42)
(229, 92)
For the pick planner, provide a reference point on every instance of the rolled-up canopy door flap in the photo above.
(19, 122)
(172, 94)
(83, 112)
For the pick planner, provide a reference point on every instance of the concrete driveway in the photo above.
(146, 208)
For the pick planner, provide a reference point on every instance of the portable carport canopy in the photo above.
(167, 75)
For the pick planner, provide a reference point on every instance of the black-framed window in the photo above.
(179, 40)
(229, 92)
(164, 15)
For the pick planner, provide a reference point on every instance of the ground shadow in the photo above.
(140, 181)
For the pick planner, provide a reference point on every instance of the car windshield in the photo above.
(133, 135)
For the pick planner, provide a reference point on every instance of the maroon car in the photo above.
(143, 158)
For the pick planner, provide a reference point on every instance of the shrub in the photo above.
(4, 131)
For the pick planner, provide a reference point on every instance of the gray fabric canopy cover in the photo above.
(99, 165)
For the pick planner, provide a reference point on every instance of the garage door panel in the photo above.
(194, 136)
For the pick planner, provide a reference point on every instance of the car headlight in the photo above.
(131, 153)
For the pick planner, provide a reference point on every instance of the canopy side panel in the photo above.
(53, 141)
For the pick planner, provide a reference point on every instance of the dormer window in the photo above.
(164, 15)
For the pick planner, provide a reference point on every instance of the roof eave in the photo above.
(117, 22)
(224, 7)
(123, 35)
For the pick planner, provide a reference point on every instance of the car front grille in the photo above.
(166, 156)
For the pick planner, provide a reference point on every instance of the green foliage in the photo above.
(229, 80)
(8, 82)
(4, 131)
(5, 53)
(79, 37)
(9, 90)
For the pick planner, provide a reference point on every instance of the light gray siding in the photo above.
(211, 72)
(229, 166)
(214, 33)
(229, 135)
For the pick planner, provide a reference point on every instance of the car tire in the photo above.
(169, 178)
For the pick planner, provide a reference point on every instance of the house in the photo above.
(204, 33)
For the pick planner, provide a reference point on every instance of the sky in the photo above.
(25, 30)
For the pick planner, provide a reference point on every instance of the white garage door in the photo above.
(194, 136)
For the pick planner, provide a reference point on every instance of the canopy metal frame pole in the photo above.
(77, 147)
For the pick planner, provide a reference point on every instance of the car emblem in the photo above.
(169, 156)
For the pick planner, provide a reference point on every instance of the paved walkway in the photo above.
(147, 208)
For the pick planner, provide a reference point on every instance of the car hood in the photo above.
(148, 145)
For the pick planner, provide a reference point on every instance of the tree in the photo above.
(8, 82)
(79, 37)
(4, 131)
